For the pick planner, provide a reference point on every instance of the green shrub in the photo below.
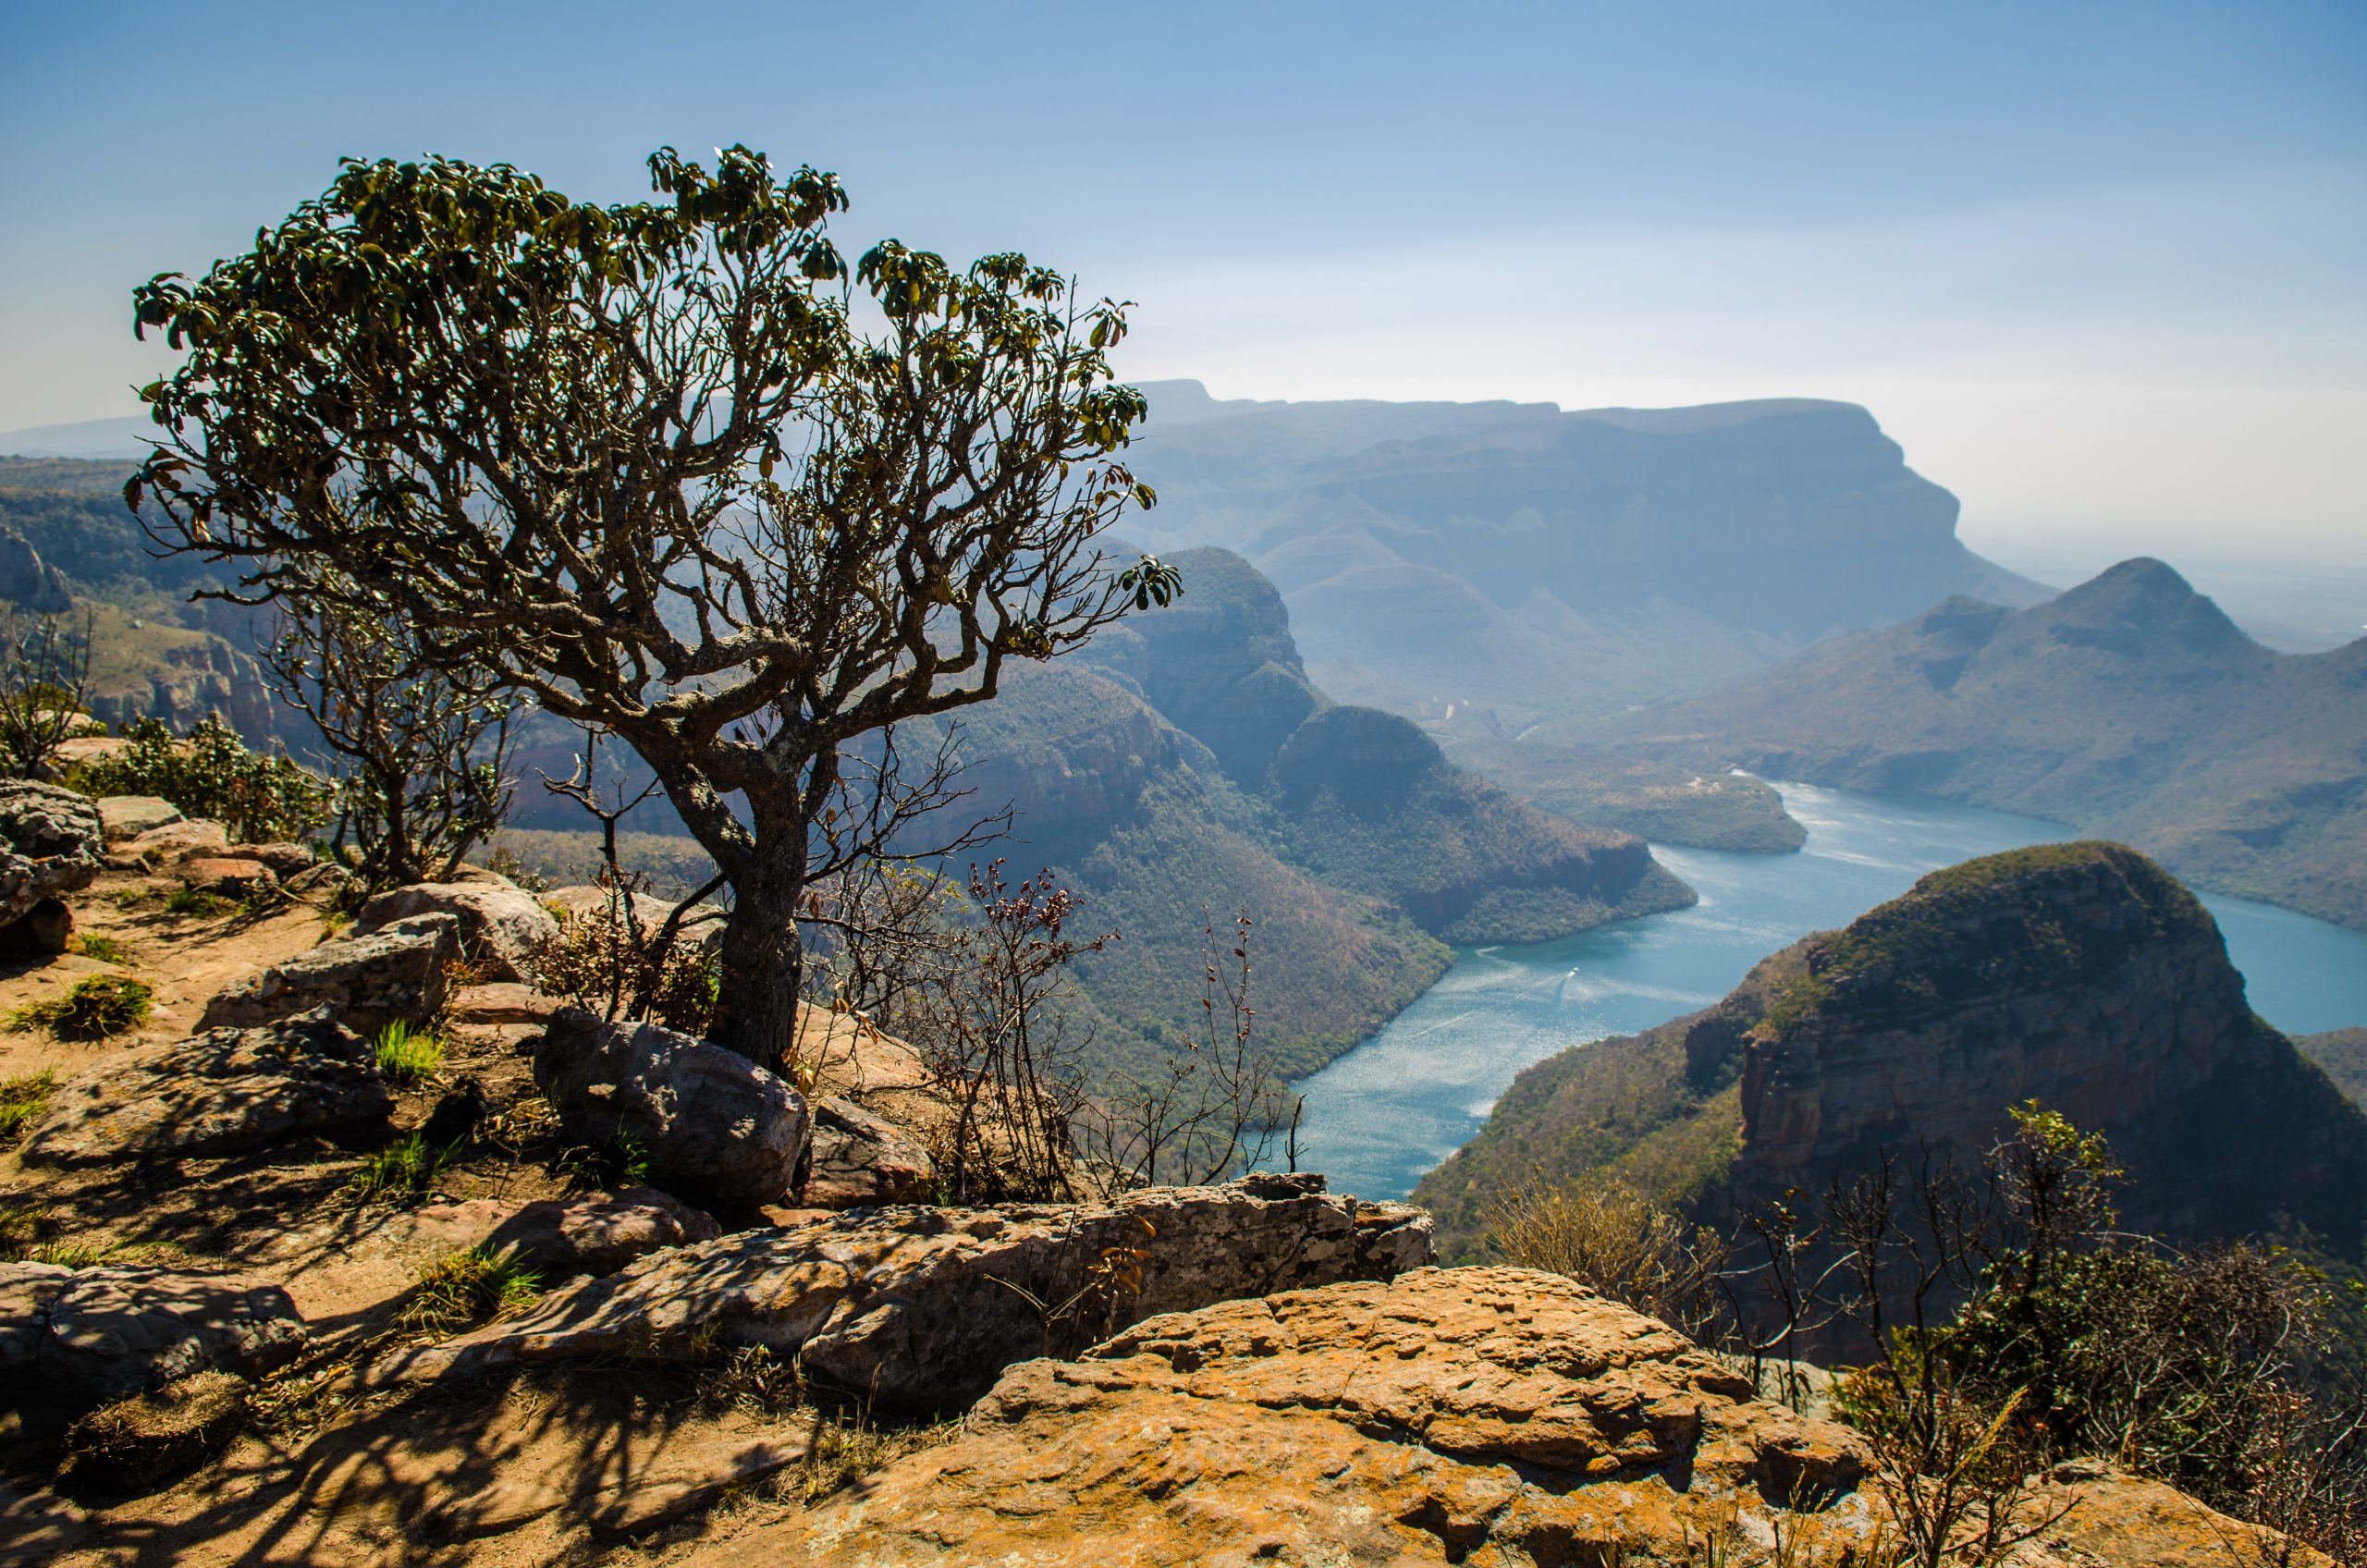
(407, 1168)
(99, 1006)
(408, 1055)
(467, 1286)
(23, 1101)
(107, 950)
(209, 773)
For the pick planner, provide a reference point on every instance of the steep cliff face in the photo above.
(2081, 976)
(1360, 797)
(1219, 663)
(1456, 560)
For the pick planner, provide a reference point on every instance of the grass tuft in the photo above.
(198, 903)
(24, 1100)
(107, 950)
(408, 1055)
(459, 1289)
(407, 1168)
(98, 1007)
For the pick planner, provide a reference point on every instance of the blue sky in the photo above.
(2102, 268)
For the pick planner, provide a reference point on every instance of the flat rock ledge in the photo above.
(220, 1093)
(920, 1309)
(1480, 1415)
(115, 1330)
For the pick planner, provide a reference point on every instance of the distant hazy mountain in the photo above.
(1500, 565)
(2128, 706)
(126, 437)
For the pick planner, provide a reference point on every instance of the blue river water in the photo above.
(1388, 1111)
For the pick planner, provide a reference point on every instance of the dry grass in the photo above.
(459, 1289)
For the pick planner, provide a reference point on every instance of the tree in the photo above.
(421, 753)
(638, 463)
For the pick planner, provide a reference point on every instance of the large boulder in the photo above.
(921, 1309)
(53, 842)
(128, 817)
(1489, 1415)
(399, 973)
(223, 1092)
(502, 926)
(713, 1122)
(176, 841)
(108, 1331)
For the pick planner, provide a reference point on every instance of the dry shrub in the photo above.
(620, 962)
(1617, 1242)
(147, 1440)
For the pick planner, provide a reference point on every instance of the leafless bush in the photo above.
(1206, 1109)
(44, 689)
(1618, 1243)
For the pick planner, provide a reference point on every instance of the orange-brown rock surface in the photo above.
(1473, 1416)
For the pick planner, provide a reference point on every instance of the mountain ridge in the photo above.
(2129, 706)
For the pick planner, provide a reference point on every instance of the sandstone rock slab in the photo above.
(920, 1309)
(712, 1123)
(174, 839)
(1449, 1415)
(128, 817)
(223, 1092)
(113, 1331)
(285, 860)
(502, 927)
(861, 1160)
(500, 1004)
(367, 981)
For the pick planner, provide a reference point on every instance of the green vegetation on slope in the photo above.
(2080, 975)
(1668, 805)
(2343, 1054)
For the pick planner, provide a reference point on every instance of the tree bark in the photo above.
(762, 958)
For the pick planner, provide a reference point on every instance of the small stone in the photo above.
(228, 877)
(47, 927)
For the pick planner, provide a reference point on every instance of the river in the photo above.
(1386, 1112)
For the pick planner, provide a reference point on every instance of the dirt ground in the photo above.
(624, 1463)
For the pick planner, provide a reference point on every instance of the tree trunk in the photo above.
(763, 960)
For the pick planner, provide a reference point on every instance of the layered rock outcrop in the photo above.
(920, 1309)
(52, 842)
(1449, 1415)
